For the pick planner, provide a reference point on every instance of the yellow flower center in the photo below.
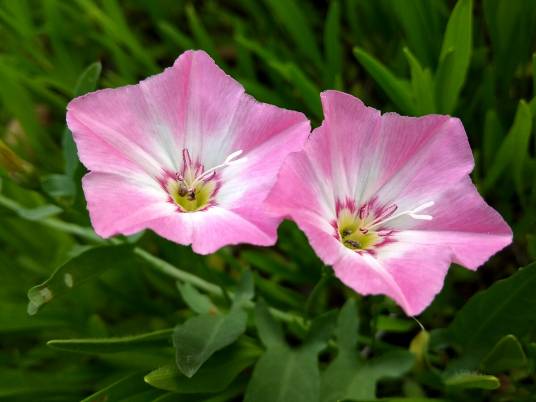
(193, 188)
(191, 199)
(353, 232)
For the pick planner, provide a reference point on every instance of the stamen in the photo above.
(352, 243)
(227, 162)
(346, 232)
(183, 190)
(186, 158)
(386, 213)
(190, 195)
(412, 213)
(364, 211)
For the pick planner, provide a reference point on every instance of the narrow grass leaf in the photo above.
(459, 38)
(513, 151)
(87, 82)
(332, 45)
(119, 390)
(295, 22)
(202, 37)
(398, 90)
(113, 345)
(422, 85)
(175, 36)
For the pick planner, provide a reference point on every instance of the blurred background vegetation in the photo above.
(473, 60)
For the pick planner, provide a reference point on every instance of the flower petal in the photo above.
(123, 204)
(131, 137)
(401, 163)
(463, 222)
(208, 231)
(410, 276)
(395, 157)
(246, 183)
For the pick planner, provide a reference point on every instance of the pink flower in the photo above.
(387, 200)
(185, 153)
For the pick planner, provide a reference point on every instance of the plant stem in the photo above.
(168, 269)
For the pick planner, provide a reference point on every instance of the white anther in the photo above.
(411, 213)
(227, 162)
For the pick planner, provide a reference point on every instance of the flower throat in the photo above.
(193, 188)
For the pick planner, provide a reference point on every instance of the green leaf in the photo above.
(493, 135)
(31, 214)
(199, 337)
(419, 347)
(274, 264)
(119, 390)
(472, 380)
(290, 16)
(113, 345)
(214, 376)
(507, 354)
(396, 400)
(511, 29)
(513, 151)
(201, 35)
(398, 90)
(77, 271)
(507, 307)
(58, 185)
(320, 331)
(245, 291)
(284, 375)
(421, 22)
(17, 101)
(308, 90)
(332, 45)
(177, 37)
(394, 324)
(13, 318)
(87, 82)
(270, 331)
(348, 327)
(459, 39)
(113, 22)
(348, 377)
(442, 79)
(197, 301)
(422, 85)
(534, 74)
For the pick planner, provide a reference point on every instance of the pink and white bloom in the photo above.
(185, 153)
(387, 200)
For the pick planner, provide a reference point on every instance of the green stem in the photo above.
(183, 276)
(170, 270)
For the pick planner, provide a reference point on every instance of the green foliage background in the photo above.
(259, 324)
